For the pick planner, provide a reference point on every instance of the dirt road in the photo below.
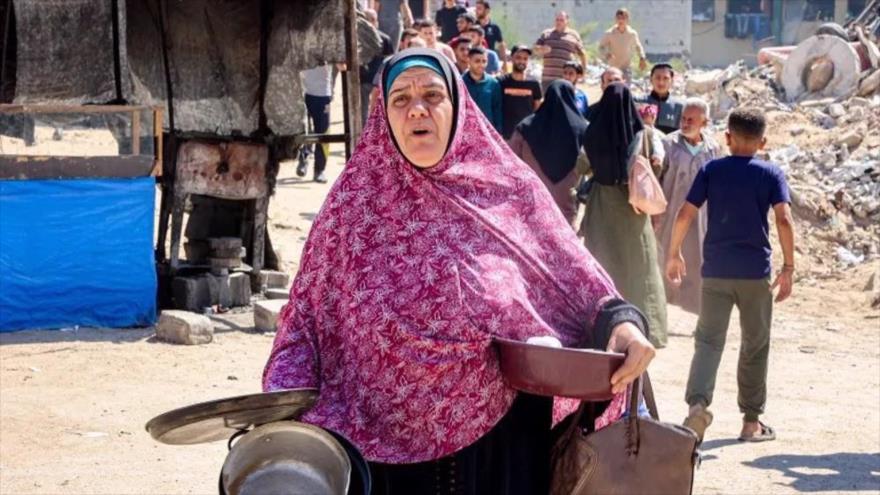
(73, 404)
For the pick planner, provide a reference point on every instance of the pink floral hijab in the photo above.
(406, 277)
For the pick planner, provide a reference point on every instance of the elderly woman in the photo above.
(621, 238)
(686, 151)
(550, 141)
(434, 240)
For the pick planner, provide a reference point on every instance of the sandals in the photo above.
(699, 418)
(766, 434)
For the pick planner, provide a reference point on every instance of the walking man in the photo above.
(620, 43)
(483, 88)
(685, 152)
(318, 83)
(447, 18)
(476, 35)
(669, 107)
(494, 38)
(520, 95)
(371, 68)
(428, 32)
(558, 45)
(739, 190)
(462, 47)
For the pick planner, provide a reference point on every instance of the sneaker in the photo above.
(321, 178)
(301, 169)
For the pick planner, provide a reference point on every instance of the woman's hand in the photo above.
(626, 338)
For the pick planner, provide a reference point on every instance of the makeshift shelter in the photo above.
(226, 74)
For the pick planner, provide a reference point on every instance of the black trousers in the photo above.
(512, 459)
(319, 114)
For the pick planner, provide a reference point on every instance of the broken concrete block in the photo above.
(852, 139)
(183, 327)
(266, 314)
(858, 101)
(277, 294)
(196, 251)
(225, 262)
(836, 110)
(191, 293)
(225, 242)
(705, 82)
(228, 253)
(273, 280)
(239, 289)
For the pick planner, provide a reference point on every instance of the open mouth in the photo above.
(421, 132)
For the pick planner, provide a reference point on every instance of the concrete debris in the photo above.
(183, 327)
(829, 149)
(266, 314)
(273, 280)
(195, 293)
(851, 139)
(848, 258)
(836, 110)
(277, 294)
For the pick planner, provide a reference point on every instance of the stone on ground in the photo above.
(183, 327)
(277, 294)
(272, 279)
(266, 314)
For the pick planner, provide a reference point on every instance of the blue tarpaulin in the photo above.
(77, 252)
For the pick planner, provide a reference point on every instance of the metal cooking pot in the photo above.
(286, 457)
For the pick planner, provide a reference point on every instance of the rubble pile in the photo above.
(830, 151)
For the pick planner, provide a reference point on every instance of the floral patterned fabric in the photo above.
(406, 277)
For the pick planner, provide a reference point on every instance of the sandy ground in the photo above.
(73, 404)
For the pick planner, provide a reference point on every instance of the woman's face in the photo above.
(420, 113)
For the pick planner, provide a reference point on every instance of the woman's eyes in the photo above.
(400, 100)
(432, 97)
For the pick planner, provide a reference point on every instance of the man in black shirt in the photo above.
(670, 108)
(446, 18)
(493, 33)
(520, 95)
(369, 70)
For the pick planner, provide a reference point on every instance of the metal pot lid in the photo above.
(220, 419)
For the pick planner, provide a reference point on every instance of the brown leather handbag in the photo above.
(633, 455)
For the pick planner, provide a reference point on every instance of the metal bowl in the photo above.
(583, 374)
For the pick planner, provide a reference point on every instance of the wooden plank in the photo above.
(11, 108)
(352, 79)
(69, 167)
(319, 138)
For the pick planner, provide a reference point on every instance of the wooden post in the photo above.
(157, 136)
(351, 81)
(136, 132)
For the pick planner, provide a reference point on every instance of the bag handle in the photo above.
(632, 420)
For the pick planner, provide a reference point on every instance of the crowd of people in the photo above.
(709, 251)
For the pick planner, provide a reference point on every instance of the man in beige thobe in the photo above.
(686, 151)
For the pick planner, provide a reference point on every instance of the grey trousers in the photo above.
(754, 300)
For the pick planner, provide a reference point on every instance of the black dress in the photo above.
(512, 459)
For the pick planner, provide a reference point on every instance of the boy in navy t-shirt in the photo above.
(739, 190)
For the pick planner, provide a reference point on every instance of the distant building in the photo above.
(723, 31)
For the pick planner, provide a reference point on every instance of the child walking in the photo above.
(739, 191)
